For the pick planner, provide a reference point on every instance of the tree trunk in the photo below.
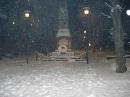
(118, 38)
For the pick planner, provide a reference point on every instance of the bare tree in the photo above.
(116, 14)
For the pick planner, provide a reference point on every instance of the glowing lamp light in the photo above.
(86, 11)
(85, 31)
(13, 23)
(27, 15)
(128, 12)
(129, 42)
(89, 44)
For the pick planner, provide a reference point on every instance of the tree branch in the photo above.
(108, 16)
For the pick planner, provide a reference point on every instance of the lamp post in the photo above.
(27, 16)
(86, 13)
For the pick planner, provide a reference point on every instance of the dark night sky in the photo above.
(127, 2)
(8, 7)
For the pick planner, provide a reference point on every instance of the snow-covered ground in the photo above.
(62, 79)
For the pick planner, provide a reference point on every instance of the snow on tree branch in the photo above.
(108, 16)
(113, 7)
(118, 7)
(108, 5)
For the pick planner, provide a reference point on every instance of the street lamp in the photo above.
(27, 16)
(86, 11)
(85, 31)
(128, 12)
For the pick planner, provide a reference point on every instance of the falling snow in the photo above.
(37, 34)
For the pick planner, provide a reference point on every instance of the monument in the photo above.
(63, 36)
(63, 48)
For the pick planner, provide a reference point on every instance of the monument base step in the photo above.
(70, 60)
(60, 56)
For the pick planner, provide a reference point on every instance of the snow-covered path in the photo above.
(62, 79)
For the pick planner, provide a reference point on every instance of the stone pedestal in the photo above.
(63, 55)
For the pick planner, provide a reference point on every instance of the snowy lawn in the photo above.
(62, 79)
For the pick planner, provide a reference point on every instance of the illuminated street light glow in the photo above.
(13, 23)
(89, 44)
(86, 11)
(128, 12)
(129, 42)
(27, 15)
(85, 31)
